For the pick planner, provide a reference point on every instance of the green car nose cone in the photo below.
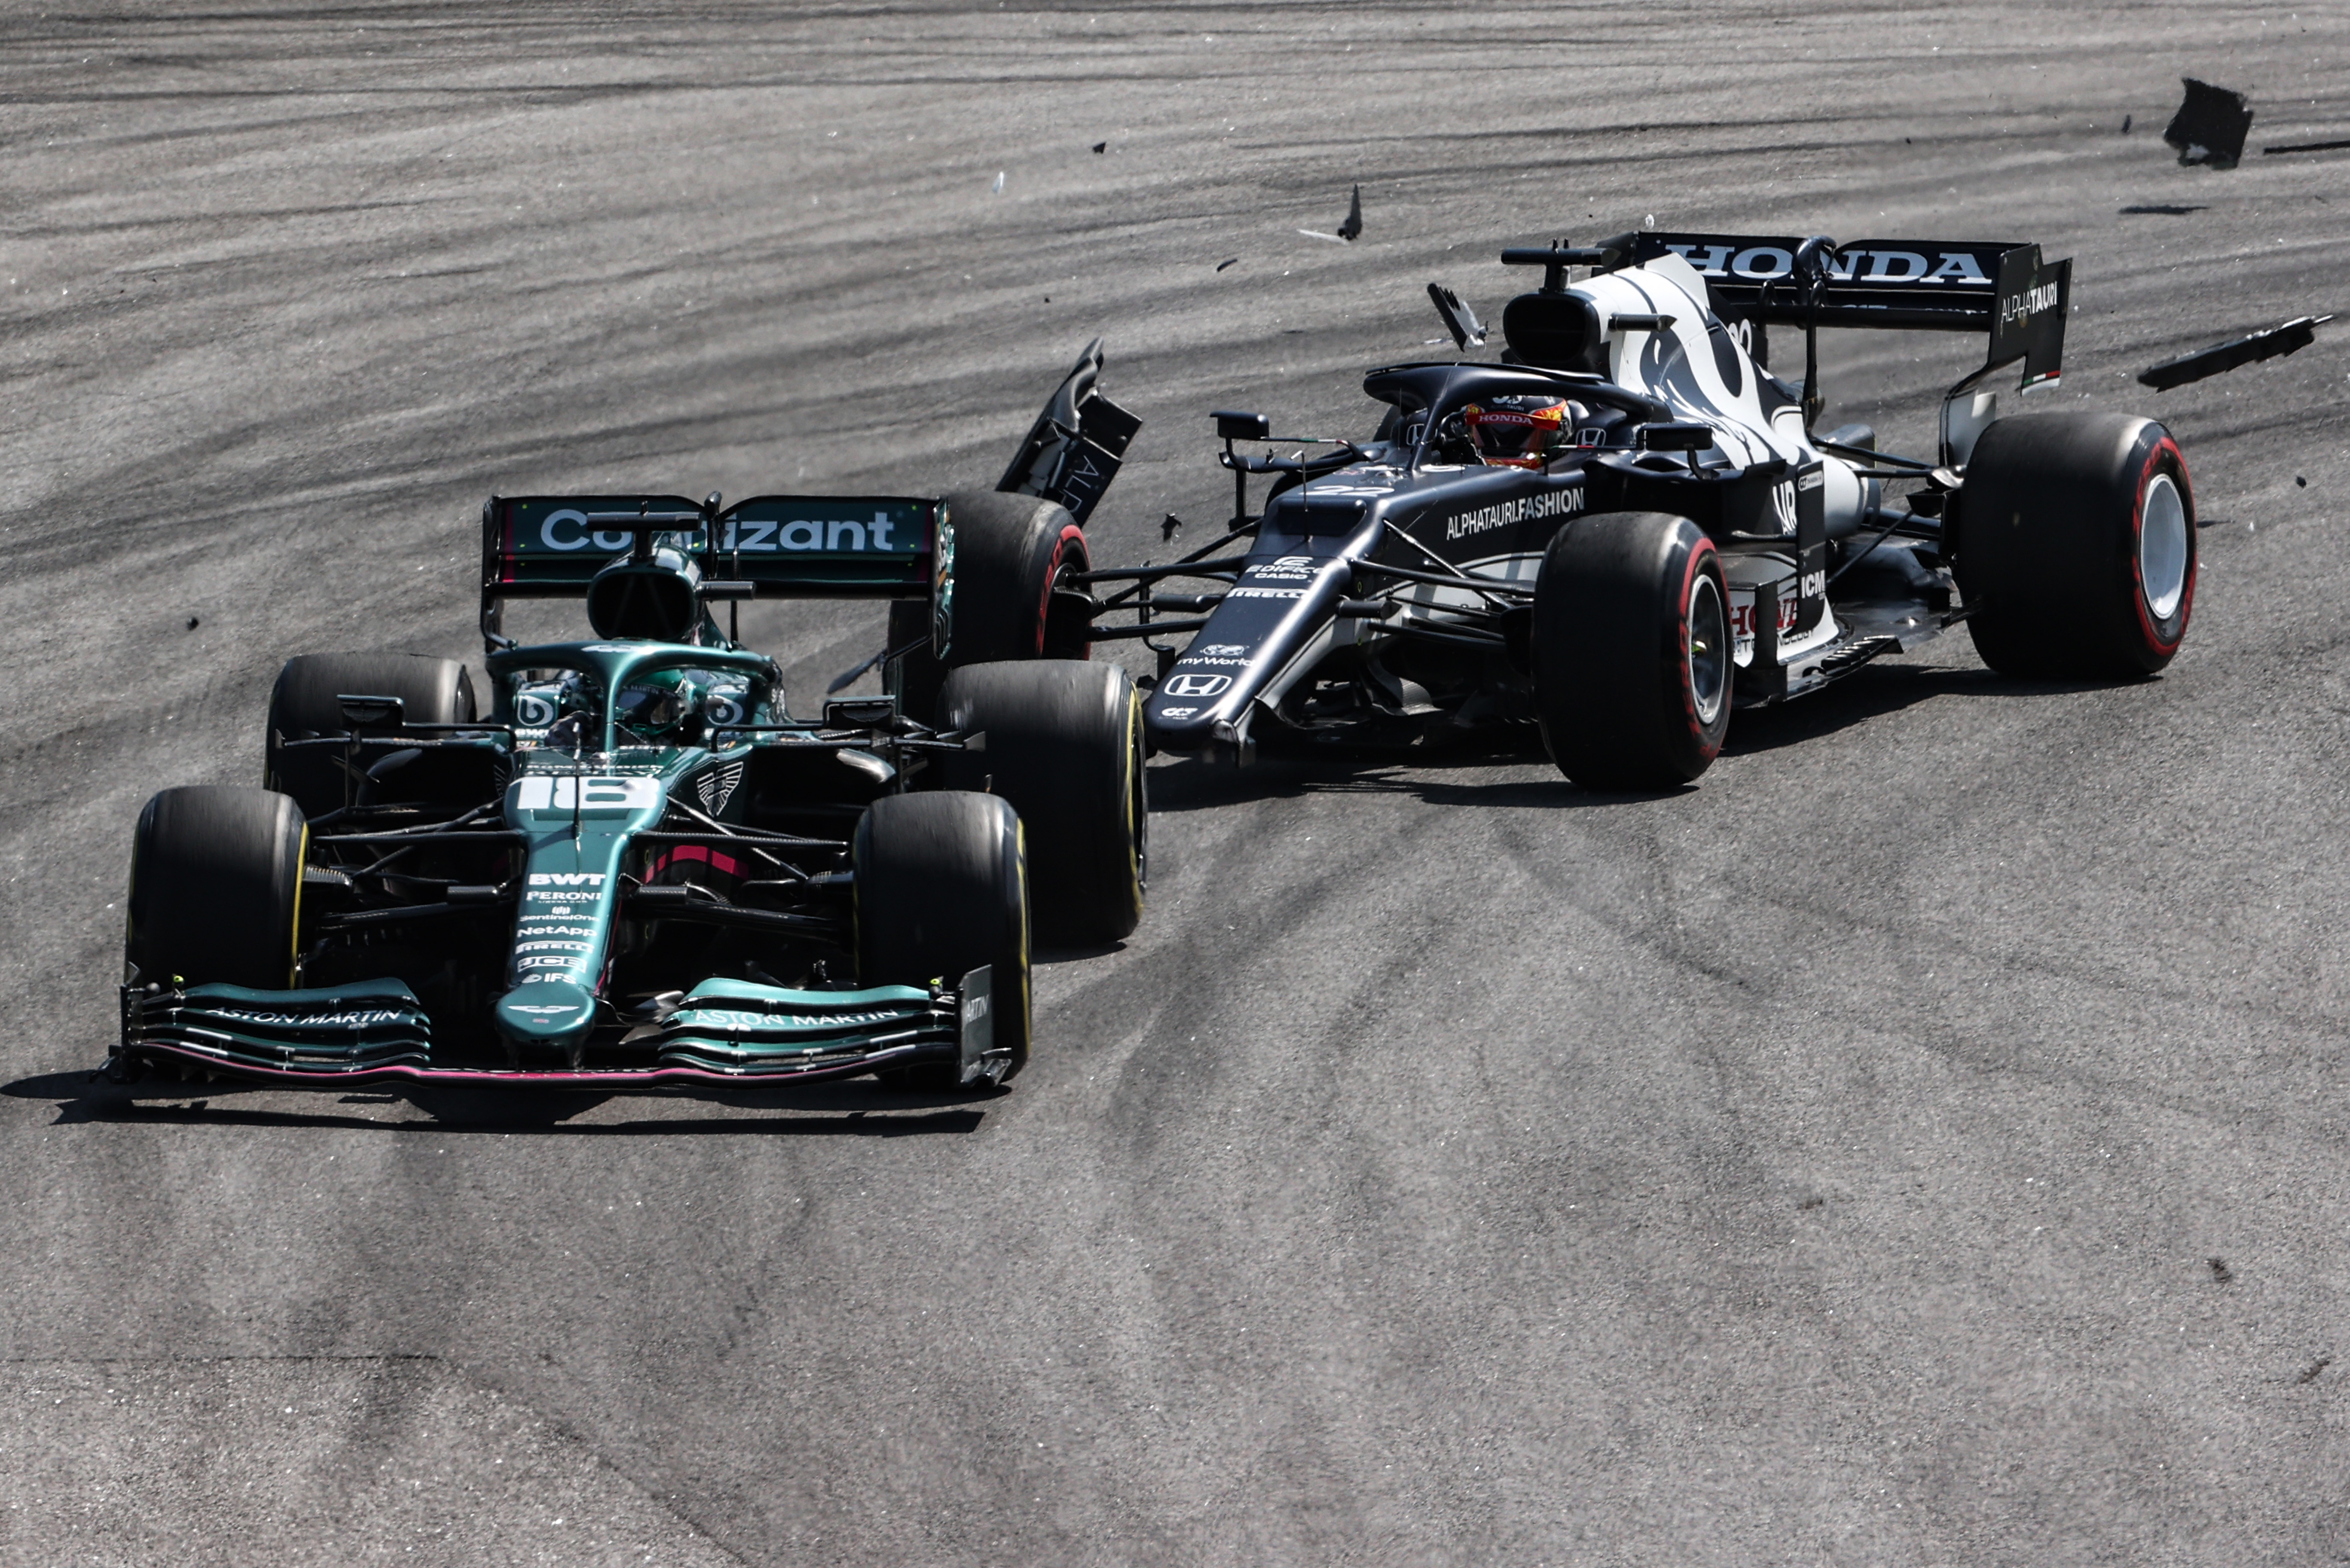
(554, 1013)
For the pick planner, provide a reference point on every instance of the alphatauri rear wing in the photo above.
(2002, 290)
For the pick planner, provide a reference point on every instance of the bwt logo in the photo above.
(1195, 685)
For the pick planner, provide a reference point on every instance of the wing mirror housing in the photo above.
(1241, 426)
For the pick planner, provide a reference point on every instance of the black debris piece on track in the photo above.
(2210, 126)
(2275, 343)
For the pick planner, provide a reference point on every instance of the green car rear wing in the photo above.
(798, 546)
(770, 546)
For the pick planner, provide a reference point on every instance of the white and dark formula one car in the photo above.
(1629, 526)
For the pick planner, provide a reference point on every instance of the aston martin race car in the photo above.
(1629, 526)
(634, 865)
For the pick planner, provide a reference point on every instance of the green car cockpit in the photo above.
(663, 694)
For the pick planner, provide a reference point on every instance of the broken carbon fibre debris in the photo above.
(2210, 126)
(1459, 319)
(1228, 260)
(2273, 344)
(1349, 230)
(2306, 147)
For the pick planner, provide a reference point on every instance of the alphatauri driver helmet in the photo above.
(1518, 431)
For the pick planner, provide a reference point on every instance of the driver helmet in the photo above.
(1522, 432)
(653, 707)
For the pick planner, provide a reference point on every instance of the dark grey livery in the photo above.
(1686, 543)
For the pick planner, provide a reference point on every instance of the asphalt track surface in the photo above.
(1923, 1143)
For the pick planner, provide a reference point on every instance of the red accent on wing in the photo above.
(725, 864)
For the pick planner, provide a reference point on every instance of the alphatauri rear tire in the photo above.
(1631, 650)
(942, 888)
(1065, 747)
(2075, 549)
(1011, 552)
(216, 887)
(303, 705)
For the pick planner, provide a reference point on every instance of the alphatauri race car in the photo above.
(634, 867)
(1629, 526)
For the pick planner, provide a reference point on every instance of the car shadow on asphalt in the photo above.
(855, 1109)
(1876, 691)
(1195, 784)
(1433, 774)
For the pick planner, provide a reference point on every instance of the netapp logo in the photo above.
(1757, 262)
(1503, 514)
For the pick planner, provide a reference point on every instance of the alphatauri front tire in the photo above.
(1631, 650)
(1011, 553)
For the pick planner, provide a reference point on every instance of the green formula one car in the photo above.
(637, 868)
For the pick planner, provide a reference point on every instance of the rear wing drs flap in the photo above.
(2002, 290)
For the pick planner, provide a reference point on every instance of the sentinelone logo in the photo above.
(568, 530)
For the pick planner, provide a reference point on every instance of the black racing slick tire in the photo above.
(2076, 549)
(303, 704)
(1631, 650)
(942, 888)
(1010, 554)
(216, 887)
(1065, 747)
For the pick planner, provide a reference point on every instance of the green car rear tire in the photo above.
(303, 703)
